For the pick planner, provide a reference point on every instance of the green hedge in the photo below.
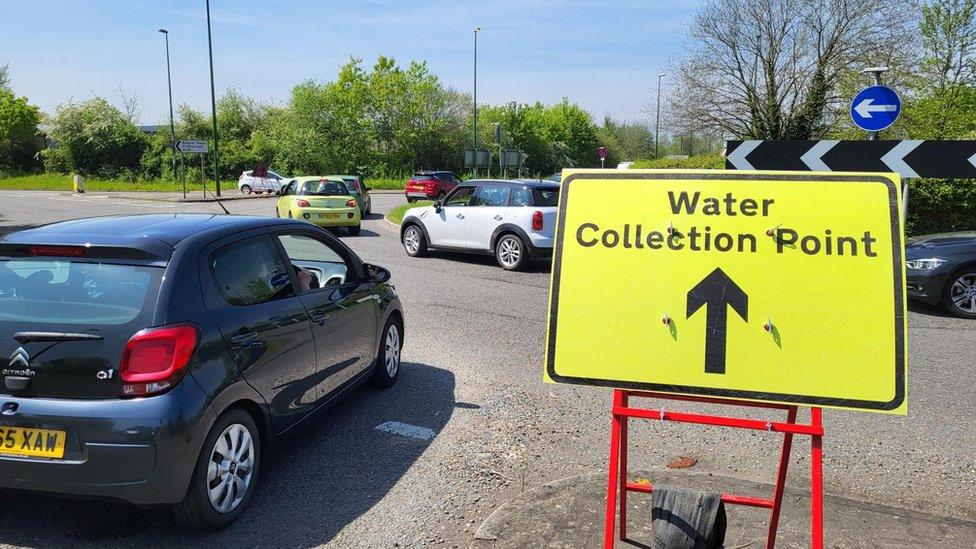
(941, 205)
(934, 205)
(704, 162)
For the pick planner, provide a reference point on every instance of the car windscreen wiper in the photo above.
(28, 337)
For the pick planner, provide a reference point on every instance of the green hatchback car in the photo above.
(359, 190)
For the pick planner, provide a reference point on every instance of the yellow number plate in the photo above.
(329, 216)
(18, 441)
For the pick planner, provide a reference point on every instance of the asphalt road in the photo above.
(472, 376)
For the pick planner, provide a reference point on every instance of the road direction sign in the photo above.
(875, 108)
(193, 146)
(946, 159)
(761, 286)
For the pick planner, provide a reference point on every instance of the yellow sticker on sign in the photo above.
(772, 286)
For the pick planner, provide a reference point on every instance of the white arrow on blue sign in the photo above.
(875, 108)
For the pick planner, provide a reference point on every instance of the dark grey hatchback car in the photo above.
(154, 359)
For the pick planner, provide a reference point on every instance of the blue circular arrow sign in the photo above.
(875, 108)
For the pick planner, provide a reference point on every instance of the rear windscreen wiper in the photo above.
(28, 337)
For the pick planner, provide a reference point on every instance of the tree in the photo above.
(5, 78)
(95, 137)
(625, 142)
(19, 140)
(945, 88)
(770, 69)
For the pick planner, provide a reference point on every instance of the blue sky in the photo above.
(603, 55)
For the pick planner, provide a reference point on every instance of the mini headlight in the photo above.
(925, 264)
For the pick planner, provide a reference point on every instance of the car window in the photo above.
(250, 272)
(461, 196)
(546, 196)
(317, 264)
(492, 195)
(289, 188)
(521, 197)
(55, 291)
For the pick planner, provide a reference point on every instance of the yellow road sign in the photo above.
(772, 286)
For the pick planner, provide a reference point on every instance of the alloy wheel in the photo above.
(230, 469)
(392, 350)
(963, 293)
(509, 252)
(411, 240)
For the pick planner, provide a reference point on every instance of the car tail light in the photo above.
(154, 359)
(303, 203)
(537, 221)
(351, 203)
(56, 251)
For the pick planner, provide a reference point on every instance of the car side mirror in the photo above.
(376, 274)
(438, 206)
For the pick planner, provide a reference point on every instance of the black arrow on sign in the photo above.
(718, 292)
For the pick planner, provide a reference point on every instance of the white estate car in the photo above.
(247, 183)
(513, 220)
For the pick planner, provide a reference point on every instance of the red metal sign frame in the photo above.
(618, 486)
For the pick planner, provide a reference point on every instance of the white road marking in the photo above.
(406, 430)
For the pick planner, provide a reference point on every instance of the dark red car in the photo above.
(430, 185)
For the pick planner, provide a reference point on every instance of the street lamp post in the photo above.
(474, 130)
(213, 105)
(657, 121)
(169, 84)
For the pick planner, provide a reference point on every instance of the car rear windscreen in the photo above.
(546, 196)
(36, 292)
(422, 177)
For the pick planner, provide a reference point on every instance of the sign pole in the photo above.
(183, 170)
(816, 480)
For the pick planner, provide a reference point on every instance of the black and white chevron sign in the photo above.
(943, 159)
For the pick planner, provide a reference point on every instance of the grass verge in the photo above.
(396, 214)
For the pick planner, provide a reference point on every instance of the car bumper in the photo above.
(925, 286)
(323, 217)
(540, 246)
(421, 195)
(141, 451)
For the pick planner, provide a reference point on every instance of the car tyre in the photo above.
(355, 230)
(510, 252)
(234, 436)
(411, 200)
(413, 240)
(246, 189)
(960, 292)
(387, 365)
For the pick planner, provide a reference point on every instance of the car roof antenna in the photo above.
(217, 200)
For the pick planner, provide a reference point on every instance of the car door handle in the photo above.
(318, 316)
(367, 298)
(498, 218)
(243, 337)
(460, 216)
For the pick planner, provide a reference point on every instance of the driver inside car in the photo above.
(306, 279)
